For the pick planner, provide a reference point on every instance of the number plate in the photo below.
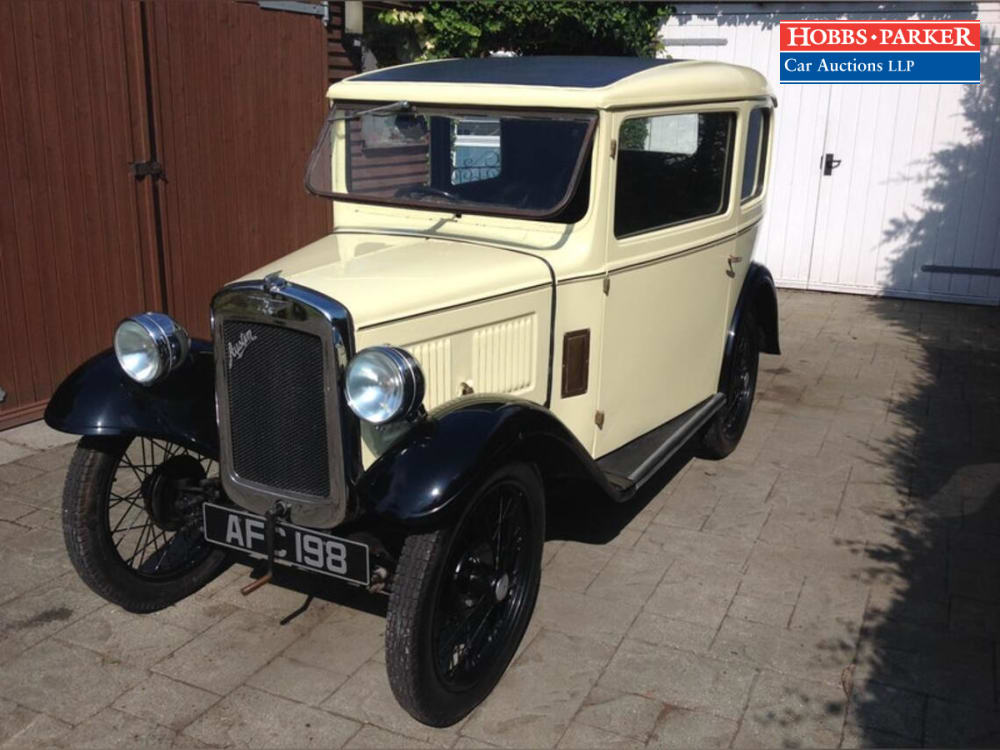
(296, 546)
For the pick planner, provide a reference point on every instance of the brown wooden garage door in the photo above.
(226, 96)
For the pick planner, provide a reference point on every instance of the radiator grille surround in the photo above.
(284, 433)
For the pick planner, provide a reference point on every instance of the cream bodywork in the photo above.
(471, 297)
(474, 315)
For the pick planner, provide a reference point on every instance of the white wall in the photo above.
(919, 182)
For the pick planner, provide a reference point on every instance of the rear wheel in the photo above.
(132, 532)
(462, 598)
(723, 433)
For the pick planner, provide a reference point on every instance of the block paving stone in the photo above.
(831, 583)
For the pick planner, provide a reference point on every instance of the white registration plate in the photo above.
(296, 546)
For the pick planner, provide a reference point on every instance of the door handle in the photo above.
(830, 164)
(733, 259)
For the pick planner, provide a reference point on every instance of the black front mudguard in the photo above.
(418, 482)
(98, 398)
(423, 478)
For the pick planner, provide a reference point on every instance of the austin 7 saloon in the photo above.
(541, 271)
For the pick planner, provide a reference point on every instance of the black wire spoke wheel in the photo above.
(132, 520)
(155, 528)
(742, 383)
(723, 432)
(489, 564)
(462, 598)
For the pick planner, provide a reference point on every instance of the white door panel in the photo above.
(842, 253)
(908, 194)
(789, 221)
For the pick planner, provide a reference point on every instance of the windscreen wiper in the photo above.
(400, 106)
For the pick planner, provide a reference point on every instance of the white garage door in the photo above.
(913, 209)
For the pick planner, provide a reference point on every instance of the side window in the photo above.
(672, 168)
(756, 153)
(475, 149)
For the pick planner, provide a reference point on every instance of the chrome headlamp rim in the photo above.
(169, 340)
(411, 381)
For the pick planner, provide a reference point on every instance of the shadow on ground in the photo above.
(585, 516)
(929, 644)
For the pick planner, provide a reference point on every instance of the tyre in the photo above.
(132, 535)
(462, 598)
(723, 432)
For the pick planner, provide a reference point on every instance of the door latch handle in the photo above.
(733, 259)
(830, 164)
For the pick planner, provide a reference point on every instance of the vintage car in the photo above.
(540, 271)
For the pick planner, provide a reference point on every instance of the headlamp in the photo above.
(150, 345)
(384, 383)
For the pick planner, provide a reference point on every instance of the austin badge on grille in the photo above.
(237, 350)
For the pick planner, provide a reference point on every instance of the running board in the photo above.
(629, 467)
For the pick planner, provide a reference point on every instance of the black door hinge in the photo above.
(141, 169)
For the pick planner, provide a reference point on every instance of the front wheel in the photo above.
(132, 532)
(462, 597)
(723, 432)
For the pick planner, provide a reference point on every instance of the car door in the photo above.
(668, 261)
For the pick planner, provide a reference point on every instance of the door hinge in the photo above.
(142, 169)
(614, 148)
(320, 10)
(599, 419)
(607, 284)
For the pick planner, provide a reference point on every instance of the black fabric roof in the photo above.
(581, 72)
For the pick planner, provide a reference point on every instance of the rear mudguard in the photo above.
(758, 296)
(423, 478)
(98, 398)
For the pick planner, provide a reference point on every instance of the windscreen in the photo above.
(506, 162)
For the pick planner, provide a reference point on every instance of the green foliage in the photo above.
(634, 133)
(525, 27)
(392, 36)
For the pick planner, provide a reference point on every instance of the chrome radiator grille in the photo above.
(284, 431)
(277, 410)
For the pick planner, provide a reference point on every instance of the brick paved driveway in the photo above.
(834, 582)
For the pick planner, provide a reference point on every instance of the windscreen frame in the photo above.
(487, 209)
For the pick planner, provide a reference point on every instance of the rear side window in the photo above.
(672, 169)
(756, 153)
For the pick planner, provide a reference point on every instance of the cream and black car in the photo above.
(541, 270)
